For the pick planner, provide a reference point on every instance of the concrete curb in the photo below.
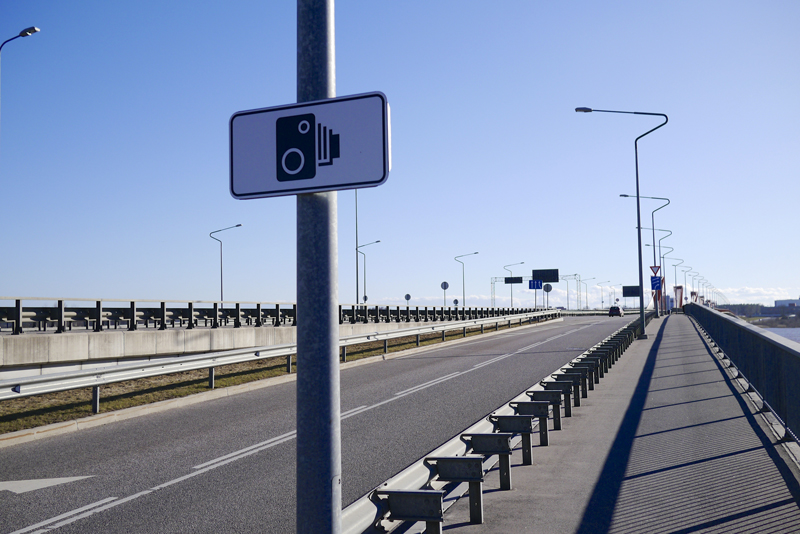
(32, 434)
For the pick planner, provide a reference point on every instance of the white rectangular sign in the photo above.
(339, 143)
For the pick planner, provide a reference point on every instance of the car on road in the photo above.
(615, 311)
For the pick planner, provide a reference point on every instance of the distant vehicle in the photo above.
(615, 311)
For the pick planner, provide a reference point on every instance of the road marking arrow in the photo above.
(24, 486)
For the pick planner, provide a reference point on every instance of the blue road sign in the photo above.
(534, 284)
(655, 283)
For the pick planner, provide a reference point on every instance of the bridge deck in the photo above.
(666, 443)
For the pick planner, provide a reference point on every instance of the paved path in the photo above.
(666, 443)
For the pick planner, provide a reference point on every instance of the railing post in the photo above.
(98, 324)
(191, 316)
(163, 314)
(294, 317)
(341, 316)
(132, 321)
(61, 318)
(215, 323)
(18, 317)
(277, 315)
(237, 321)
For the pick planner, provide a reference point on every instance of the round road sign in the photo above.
(547, 288)
(408, 297)
(445, 285)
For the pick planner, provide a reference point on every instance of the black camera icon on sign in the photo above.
(302, 145)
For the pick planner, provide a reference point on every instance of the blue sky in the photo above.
(114, 146)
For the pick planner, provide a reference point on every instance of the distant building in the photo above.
(787, 303)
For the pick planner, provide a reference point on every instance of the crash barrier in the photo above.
(97, 377)
(132, 314)
(420, 492)
(769, 363)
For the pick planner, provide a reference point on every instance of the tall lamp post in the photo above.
(211, 235)
(586, 290)
(463, 290)
(653, 227)
(643, 335)
(512, 274)
(602, 302)
(24, 33)
(365, 266)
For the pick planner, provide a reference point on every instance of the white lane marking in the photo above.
(356, 411)
(23, 486)
(62, 516)
(91, 512)
(427, 383)
(264, 444)
(248, 451)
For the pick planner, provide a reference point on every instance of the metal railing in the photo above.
(96, 377)
(131, 314)
(768, 362)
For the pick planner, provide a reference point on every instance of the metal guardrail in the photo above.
(96, 377)
(362, 516)
(131, 314)
(768, 362)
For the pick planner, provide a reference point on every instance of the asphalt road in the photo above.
(228, 465)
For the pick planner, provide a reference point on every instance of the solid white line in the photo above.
(62, 516)
(267, 443)
(94, 511)
(426, 383)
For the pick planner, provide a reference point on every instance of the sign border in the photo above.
(387, 147)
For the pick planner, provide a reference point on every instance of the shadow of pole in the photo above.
(600, 509)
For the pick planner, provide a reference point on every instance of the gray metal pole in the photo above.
(356, 191)
(319, 461)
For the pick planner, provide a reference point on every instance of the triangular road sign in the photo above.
(655, 269)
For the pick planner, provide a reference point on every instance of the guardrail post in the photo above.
(344, 353)
(211, 377)
(98, 324)
(465, 331)
(443, 335)
(163, 316)
(385, 346)
(418, 340)
(289, 364)
(96, 399)
(61, 321)
(481, 328)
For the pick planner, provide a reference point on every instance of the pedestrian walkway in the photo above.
(665, 443)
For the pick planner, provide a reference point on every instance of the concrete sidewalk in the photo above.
(665, 443)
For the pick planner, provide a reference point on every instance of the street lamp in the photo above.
(602, 302)
(24, 33)
(211, 235)
(463, 291)
(565, 278)
(638, 209)
(586, 290)
(365, 266)
(512, 274)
